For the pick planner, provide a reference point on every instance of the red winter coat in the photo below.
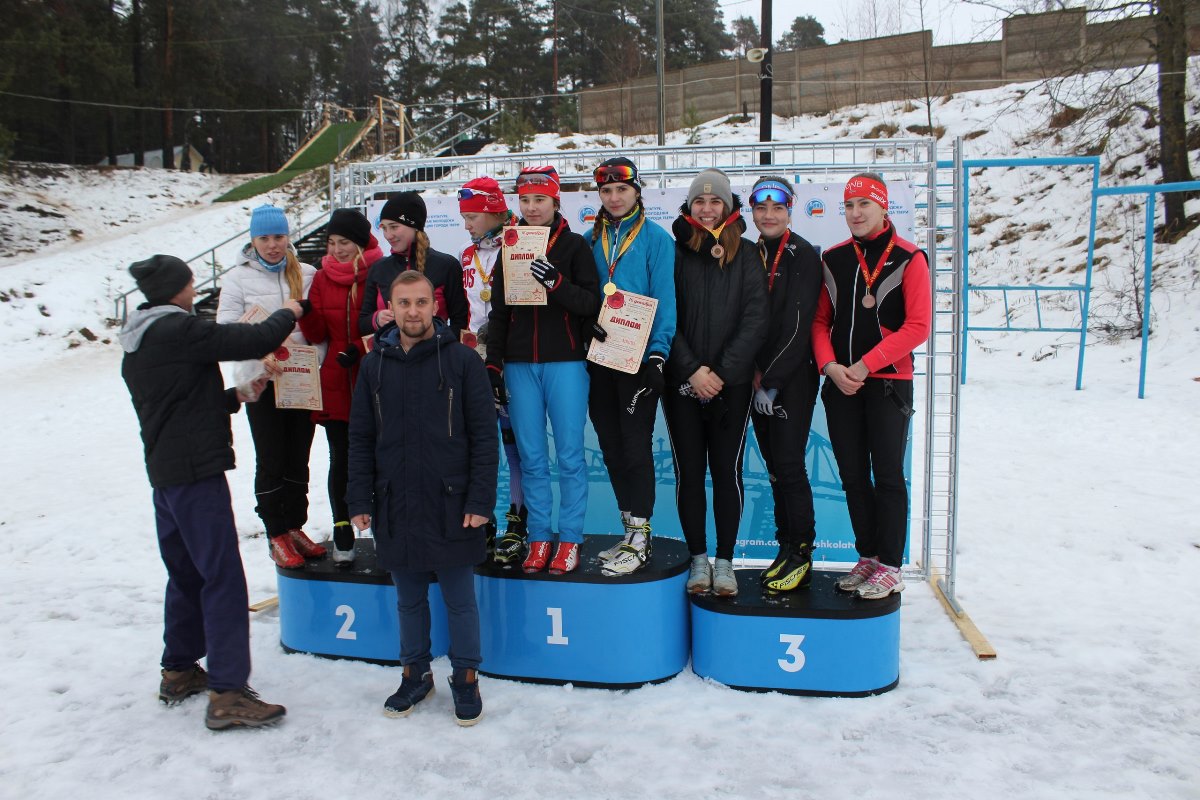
(334, 319)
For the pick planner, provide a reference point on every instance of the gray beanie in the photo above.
(161, 277)
(712, 181)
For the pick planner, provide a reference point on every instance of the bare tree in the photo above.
(1170, 47)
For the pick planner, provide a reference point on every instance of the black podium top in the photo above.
(364, 569)
(819, 601)
(668, 558)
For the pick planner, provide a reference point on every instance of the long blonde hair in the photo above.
(420, 247)
(293, 275)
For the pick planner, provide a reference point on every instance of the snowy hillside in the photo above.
(1078, 545)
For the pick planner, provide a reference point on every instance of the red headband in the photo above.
(862, 186)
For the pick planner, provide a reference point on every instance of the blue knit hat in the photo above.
(267, 220)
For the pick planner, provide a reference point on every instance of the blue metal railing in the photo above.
(1083, 292)
(1151, 192)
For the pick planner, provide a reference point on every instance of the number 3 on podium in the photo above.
(795, 660)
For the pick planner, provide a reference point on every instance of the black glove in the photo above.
(306, 306)
(545, 273)
(651, 382)
(498, 392)
(651, 373)
(348, 357)
(598, 333)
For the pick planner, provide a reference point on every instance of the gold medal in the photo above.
(868, 301)
(717, 251)
(486, 295)
(610, 289)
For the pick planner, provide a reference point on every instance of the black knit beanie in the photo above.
(161, 277)
(351, 224)
(407, 208)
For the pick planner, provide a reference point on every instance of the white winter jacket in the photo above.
(250, 282)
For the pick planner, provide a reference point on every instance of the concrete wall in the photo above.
(820, 79)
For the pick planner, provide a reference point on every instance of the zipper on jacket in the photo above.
(450, 413)
(535, 335)
(853, 315)
(567, 325)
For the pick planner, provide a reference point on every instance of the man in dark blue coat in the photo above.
(171, 369)
(423, 460)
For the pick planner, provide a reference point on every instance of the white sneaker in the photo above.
(883, 581)
(615, 550)
(724, 581)
(700, 575)
(859, 575)
(343, 556)
(633, 553)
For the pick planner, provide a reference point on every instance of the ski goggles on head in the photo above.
(467, 194)
(535, 179)
(773, 191)
(615, 173)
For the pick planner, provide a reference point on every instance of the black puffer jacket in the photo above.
(170, 367)
(792, 300)
(721, 311)
(558, 330)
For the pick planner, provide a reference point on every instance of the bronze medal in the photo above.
(486, 295)
(610, 289)
(717, 251)
(868, 301)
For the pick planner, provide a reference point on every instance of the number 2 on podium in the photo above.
(346, 632)
(556, 627)
(795, 662)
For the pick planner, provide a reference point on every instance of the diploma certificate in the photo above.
(299, 385)
(523, 244)
(626, 318)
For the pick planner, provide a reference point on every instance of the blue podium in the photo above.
(585, 628)
(349, 612)
(817, 641)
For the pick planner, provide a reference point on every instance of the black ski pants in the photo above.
(869, 433)
(626, 440)
(282, 441)
(709, 437)
(783, 442)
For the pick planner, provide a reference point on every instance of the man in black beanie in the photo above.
(171, 370)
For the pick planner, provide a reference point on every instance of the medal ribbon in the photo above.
(871, 277)
(762, 253)
(612, 264)
(716, 232)
(562, 223)
(487, 279)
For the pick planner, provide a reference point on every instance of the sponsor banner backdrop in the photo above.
(819, 217)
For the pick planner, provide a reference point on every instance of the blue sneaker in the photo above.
(468, 705)
(416, 686)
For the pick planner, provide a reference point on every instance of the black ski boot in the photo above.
(794, 573)
(510, 549)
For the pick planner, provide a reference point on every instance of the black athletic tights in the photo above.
(709, 437)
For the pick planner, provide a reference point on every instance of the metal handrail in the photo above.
(208, 258)
(657, 164)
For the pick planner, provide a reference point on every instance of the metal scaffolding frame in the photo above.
(938, 226)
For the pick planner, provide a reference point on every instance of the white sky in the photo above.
(950, 21)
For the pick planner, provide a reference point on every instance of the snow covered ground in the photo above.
(1078, 550)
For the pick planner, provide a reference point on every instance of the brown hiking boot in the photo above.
(179, 686)
(240, 708)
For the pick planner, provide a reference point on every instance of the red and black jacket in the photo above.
(441, 270)
(884, 336)
(558, 330)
